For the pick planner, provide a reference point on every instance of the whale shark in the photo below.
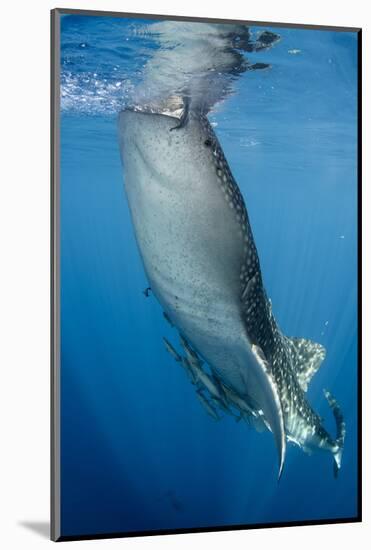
(195, 239)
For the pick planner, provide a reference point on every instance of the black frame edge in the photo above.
(55, 523)
(75, 11)
(359, 267)
(215, 529)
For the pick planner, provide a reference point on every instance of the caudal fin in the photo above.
(340, 431)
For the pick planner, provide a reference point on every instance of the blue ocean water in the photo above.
(138, 452)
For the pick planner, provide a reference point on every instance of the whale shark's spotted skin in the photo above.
(198, 250)
(280, 352)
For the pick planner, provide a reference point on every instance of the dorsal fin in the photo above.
(307, 357)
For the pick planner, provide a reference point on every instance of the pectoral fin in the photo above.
(267, 397)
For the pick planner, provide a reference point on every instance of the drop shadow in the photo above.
(42, 528)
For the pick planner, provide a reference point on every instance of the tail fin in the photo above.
(340, 431)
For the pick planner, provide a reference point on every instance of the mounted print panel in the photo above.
(205, 217)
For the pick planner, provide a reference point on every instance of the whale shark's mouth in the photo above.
(173, 106)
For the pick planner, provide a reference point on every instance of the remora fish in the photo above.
(208, 406)
(200, 258)
(170, 349)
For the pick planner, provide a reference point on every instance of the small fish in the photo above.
(219, 403)
(207, 406)
(257, 422)
(189, 370)
(147, 291)
(166, 316)
(208, 383)
(191, 354)
(238, 401)
(171, 350)
(219, 385)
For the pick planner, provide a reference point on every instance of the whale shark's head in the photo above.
(162, 145)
